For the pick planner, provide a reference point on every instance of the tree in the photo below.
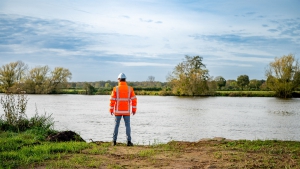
(37, 80)
(297, 80)
(107, 85)
(231, 85)
(59, 79)
(72, 85)
(255, 84)
(242, 81)
(220, 81)
(283, 75)
(89, 89)
(97, 85)
(151, 78)
(189, 77)
(41, 80)
(21, 70)
(11, 74)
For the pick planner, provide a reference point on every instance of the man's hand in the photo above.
(133, 113)
(112, 113)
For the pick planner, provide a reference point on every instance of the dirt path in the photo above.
(208, 154)
(173, 155)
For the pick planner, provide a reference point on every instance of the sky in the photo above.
(98, 39)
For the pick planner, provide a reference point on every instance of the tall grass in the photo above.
(22, 139)
(15, 118)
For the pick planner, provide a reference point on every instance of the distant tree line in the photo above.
(105, 87)
(108, 84)
(241, 83)
(188, 78)
(215, 84)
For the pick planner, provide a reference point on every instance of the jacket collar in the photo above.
(122, 83)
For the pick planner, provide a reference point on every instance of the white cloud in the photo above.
(150, 33)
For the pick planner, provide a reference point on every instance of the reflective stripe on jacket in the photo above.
(122, 98)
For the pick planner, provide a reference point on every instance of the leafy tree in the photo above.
(264, 86)
(72, 85)
(89, 89)
(297, 80)
(59, 78)
(231, 85)
(37, 80)
(189, 77)
(212, 85)
(255, 84)
(242, 81)
(41, 80)
(283, 75)
(79, 85)
(97, 84)
(220, 81)
(11, 74)
(107, 85)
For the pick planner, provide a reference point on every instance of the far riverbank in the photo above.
(296, 94)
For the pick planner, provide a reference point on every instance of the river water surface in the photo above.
(162, 119)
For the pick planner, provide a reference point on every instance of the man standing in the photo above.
(122, 98)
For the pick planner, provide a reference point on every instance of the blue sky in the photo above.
(96, 40)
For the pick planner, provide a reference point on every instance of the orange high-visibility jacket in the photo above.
(122, 98)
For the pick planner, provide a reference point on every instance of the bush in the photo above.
(166, 93)
(14, 107)
(15, 119)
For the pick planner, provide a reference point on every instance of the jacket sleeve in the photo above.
(133, 100)
(112, 100)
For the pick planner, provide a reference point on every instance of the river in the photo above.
(164, 118)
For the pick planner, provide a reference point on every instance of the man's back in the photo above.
(122, 98)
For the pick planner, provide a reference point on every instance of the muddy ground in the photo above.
(207, 153)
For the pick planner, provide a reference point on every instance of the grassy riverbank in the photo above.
(246, 93)
(30, 150)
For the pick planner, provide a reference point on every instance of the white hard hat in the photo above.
(121, 76)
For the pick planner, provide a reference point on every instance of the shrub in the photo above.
(14, 107)
(15, 119)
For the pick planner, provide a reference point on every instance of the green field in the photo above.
(246, 93)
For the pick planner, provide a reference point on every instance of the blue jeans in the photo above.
(117, 124)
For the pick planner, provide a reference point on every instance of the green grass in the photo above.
(246, 93)
(263, 154)
(147, 153)
(26, 148)
(29, 150)
(274, 147)
(72, 91)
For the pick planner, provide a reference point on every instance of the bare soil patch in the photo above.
(207, 154)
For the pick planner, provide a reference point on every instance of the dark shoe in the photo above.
(129, 143)
(114, 143)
